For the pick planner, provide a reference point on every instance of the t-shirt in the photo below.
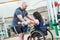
(18, 11)
(41, 25)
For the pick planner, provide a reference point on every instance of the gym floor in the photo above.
(25, 38)
(26, 35)
(17, 38)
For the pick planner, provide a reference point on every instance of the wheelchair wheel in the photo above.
(50, 34)
(38, 35)
(28, 37)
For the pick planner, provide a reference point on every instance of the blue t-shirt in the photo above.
(18, 11)
(41, 25)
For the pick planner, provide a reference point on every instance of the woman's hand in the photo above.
(36, 22)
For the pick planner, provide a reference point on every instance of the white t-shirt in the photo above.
(36, 20)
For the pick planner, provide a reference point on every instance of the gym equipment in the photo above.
(1, 33)
(52, 12)
(58, 16)
(3, 29)
(55, 3)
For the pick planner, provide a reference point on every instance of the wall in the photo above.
(8, 9)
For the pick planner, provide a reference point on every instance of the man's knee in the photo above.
(21, 35)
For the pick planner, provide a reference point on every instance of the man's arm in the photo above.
(29, 17)
(33, 20)
(20, 18)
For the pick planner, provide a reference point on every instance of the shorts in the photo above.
(19, 29)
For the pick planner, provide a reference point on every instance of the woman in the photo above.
(39, 19)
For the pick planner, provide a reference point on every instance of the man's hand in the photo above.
(24, 23)
(27, 22)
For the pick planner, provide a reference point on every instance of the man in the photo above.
(19, 15)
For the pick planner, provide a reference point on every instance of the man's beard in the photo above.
(24, 9)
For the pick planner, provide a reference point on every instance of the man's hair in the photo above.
(24, 3)
(38, 16)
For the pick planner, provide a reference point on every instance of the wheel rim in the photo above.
(41, 37)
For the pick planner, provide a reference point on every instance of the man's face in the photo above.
(24, 6)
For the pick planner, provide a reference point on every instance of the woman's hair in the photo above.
(38, 16)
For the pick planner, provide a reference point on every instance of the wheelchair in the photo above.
(40, 34)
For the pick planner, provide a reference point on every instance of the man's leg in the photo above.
(31, 38)
(21, 36)
(34, 38)
(19, 32)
